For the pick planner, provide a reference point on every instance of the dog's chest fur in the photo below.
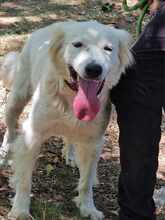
(60, 119)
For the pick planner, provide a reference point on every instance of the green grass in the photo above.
(43, 210)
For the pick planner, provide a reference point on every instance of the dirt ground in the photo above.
(54, 183)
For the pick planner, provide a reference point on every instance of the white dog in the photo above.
(67, 69)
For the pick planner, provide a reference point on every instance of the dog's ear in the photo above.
(56, 45)
(125, 55)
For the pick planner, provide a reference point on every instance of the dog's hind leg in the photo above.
(24, 157)
(14, 108)
(8, 67)
(18, 97)
(87, 157)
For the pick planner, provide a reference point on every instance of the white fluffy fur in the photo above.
(40, 73)
(8, 68)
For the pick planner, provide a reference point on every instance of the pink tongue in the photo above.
(86, 104)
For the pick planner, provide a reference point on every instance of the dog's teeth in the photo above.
(78, 78)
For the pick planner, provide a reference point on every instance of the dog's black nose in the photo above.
(93, 71)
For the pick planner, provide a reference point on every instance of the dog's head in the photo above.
(91, 55)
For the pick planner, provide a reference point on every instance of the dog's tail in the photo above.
(8, 66)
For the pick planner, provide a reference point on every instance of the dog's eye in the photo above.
(108, 48)
(77, 44)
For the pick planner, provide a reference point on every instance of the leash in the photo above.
(141, 4)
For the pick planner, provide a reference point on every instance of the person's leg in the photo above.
(138, 99)
(153, 36)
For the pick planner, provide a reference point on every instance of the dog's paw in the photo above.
(159, 197)
(92, 213)
(88, 210)
(21, 216)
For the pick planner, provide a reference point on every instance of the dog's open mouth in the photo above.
(86, 103)
(73, 83)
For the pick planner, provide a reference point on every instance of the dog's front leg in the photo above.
(87, 157)
(26, 149)
(68, 153)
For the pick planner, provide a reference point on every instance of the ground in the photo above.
(54, 182)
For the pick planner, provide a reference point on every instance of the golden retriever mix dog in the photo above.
(67, 70)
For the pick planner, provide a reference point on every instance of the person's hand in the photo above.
(154, 6)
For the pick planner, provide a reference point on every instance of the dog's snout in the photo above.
(93, 70)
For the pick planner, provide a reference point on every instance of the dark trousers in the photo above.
(139, 98)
